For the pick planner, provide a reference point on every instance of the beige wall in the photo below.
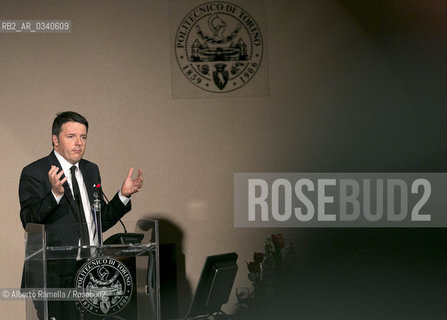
(335, 98)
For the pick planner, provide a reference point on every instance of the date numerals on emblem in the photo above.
(249, 72)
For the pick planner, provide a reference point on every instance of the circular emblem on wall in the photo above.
(104, 286)
(218, 46)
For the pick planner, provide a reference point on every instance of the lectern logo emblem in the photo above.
(106, 285)
(219, 46)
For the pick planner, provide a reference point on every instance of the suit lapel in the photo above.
(88, 179)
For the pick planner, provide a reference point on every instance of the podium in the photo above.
(116, 280)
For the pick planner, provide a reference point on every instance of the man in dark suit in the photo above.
(57, 191)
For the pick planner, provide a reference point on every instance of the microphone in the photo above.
(96, 202)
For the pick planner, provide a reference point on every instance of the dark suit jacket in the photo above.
(38, 205)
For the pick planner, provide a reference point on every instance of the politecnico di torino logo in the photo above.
(107, 284)
(219, 46)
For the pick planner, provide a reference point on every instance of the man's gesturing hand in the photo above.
(55, 180)
(131, 186)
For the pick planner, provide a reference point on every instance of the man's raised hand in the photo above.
(57, 185)
(131, 186)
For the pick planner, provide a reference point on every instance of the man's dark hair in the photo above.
(64, 117)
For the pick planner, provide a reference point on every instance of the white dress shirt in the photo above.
(84, 196)
(93, 236)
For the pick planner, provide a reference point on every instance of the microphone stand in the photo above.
(96, 210)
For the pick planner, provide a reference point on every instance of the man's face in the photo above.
(71, 142)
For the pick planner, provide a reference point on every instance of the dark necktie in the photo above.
(77, 195)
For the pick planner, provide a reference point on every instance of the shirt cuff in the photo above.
(124, 200)
(58, 198)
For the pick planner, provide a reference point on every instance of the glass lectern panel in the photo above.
(116, 280)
